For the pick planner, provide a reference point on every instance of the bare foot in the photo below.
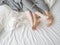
(36, 22)
(49, 20)
(34, 26)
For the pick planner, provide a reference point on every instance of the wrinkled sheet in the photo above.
(15, 28)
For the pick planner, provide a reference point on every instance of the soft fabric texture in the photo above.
(15, 28)
(50, 2)
(40, 4)
(26, 4)
(13, 4)
(33, 5)
(7, 11)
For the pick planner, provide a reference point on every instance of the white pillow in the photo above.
(50, 2)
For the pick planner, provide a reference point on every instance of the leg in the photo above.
(32, 19)
(50, 18)
(47, 15)
(36, 21)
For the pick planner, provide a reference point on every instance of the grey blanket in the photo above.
(33, 5)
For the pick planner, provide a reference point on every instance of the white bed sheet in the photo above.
(22, 34)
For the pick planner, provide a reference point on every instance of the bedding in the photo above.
(24, 5)
(15, 28)
(50, 2)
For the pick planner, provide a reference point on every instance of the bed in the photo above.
(15, 28)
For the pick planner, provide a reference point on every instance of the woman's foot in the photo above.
(47, 15)
(49, 21)
(49, 18)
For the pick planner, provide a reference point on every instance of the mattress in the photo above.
(15, 28)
